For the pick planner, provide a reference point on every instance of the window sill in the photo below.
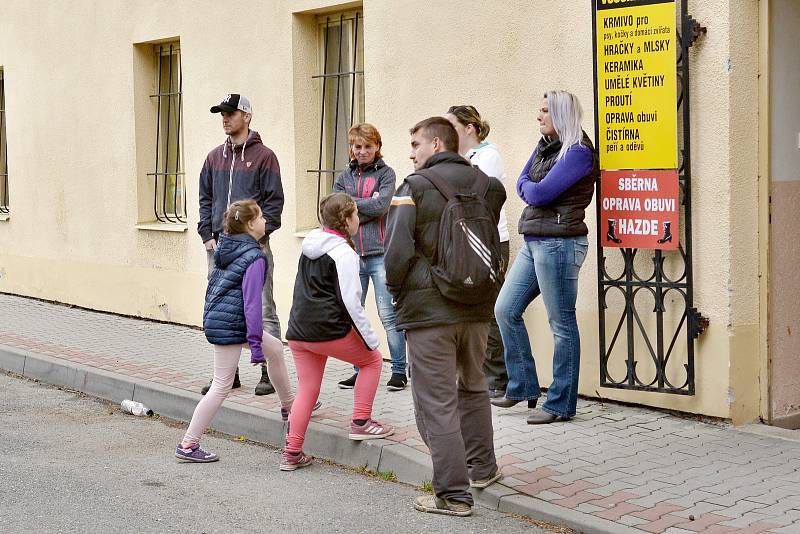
(5, 216)
(162, 227)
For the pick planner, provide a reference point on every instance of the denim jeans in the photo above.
(548, 267)
(372, 268)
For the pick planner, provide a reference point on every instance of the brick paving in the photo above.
(643, 468)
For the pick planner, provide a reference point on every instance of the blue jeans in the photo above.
(548, 267)
(372, 268)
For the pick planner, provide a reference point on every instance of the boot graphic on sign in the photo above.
(667, 237)
(611, 235)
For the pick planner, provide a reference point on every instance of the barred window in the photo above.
(3, 149)
(169, 191)
(341, 75)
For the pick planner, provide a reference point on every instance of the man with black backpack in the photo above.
(443, 267)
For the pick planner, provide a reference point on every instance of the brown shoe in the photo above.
(485, 482)
(435, 505)
(505, 402)
(541, 418)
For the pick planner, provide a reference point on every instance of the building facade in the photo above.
(105, 125)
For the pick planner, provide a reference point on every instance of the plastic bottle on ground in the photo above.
(135, 408)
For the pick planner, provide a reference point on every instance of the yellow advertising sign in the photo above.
(636, 84)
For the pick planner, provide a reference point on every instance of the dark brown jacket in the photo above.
(239, 172)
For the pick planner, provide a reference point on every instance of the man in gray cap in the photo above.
(242, 168)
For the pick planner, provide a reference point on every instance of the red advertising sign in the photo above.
(639, 209)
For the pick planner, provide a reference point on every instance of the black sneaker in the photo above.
(397, 382)
(236, 383)
(264, 386)
(350, 383)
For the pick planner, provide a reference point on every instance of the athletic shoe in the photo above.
(236, 383)
(291, 461)
(397, 382)
(485, 482)
(435, 505)
(370, 430)
(285, 411)
(350, 383)
(195, 454)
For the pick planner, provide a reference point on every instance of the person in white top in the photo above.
(472, 144)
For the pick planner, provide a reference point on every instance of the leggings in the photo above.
(310, 359)
(226, 360)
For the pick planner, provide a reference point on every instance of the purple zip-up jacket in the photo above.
(252, 287)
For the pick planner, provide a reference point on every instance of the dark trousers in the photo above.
(495, 365)
(451, 404)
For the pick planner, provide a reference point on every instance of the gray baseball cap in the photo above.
(232, 102)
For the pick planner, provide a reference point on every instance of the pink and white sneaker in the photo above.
(291, 461)
(370, 430)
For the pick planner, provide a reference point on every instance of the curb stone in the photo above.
(408, 464)
(12, 360)
(526, 505)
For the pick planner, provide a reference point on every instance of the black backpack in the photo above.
(467, 266)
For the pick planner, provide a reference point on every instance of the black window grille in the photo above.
(3, 149)
(169, 191)
(341, 59)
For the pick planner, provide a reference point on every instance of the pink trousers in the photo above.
(310, 359)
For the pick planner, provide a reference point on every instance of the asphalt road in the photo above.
(70, 463)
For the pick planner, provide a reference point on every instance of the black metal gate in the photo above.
(651, 281)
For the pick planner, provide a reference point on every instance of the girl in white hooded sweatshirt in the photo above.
(327, 319)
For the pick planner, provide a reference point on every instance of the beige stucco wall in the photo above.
(73, 158)
(743, 236)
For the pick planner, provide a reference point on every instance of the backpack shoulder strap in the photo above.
(482, 182)
(438, 182)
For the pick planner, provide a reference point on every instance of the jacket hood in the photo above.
(319, 242)
(253, 138)
(231, 247)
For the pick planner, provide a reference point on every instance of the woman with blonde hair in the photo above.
(557, 184)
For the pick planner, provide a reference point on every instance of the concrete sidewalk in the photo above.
(611, 469)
